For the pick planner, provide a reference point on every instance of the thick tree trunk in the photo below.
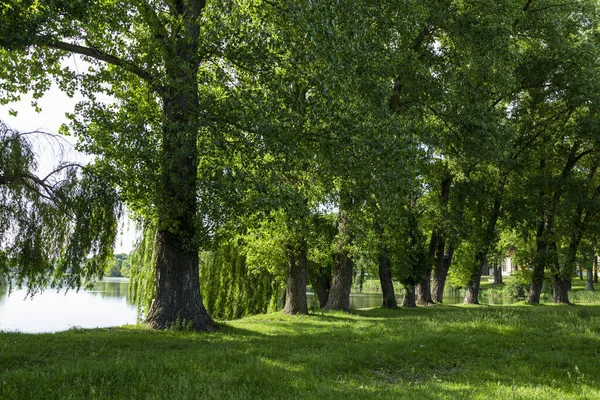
(295, 288)
(561, 288)
(385, 277)
(177, 300)
(472, 295)
(440, 273)
(595, 269)
(341, 280)
(424, 286)
(409, 300)
(497, 274)
(177, 303)
(424, 290)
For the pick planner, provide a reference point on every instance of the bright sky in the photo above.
(54, 106)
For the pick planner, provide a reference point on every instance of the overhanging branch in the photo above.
(101, 56)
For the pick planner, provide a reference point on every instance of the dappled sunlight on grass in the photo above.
(437, 352)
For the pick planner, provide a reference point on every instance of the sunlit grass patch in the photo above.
(435, 352)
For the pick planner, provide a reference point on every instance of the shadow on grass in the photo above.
(428, 353)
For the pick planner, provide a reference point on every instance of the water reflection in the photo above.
(103, 306)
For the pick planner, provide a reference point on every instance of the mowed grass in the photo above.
(455, 352)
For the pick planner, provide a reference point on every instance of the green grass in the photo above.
(456, 352)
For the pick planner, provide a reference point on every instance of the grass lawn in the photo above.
(457, 352)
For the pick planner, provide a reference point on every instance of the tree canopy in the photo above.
(295, 139)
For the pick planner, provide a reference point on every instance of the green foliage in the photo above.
(119, 266)
(58, 230)
(142, 286)
(231, 289)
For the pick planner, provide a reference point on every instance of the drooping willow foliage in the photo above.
(230, 289)
(58, 230)
(141, 275)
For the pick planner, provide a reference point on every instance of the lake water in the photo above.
(106, 305)
(370, 300)
(103, 306)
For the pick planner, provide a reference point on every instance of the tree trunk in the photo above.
(580, 271)
(595, 269)
(589, 285)
(486, 269)
(341, 280)
(295, 288)
(561, 288)
(322, 283)
(440, 273)
(472, 295)
(385, 277)
(497, 274)
(424, 290)
(480, 261)
(361, 279)
(424, 286)
(177, 303)
(409, 300)
(537, 278)
(177, 299)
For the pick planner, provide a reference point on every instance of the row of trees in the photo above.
(296, 140)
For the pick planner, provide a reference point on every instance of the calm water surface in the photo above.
(103, 306)
(106, 305)
(364, 300)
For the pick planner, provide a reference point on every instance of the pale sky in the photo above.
(54, 105)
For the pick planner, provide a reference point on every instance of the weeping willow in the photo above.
(229, 288)
(141, 275)
(56, 230)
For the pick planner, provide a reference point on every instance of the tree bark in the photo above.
(295, 288)
(385, 277)
(544, 232)
(589, 285)
(341, 280)
(497, 274)
(177, 299)
(595, 269)
(424, 286)
(440, 273)
(561, 288)
(322, 283)
(472, 295)
(177, 303)
(424, 290)
(409, 300)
